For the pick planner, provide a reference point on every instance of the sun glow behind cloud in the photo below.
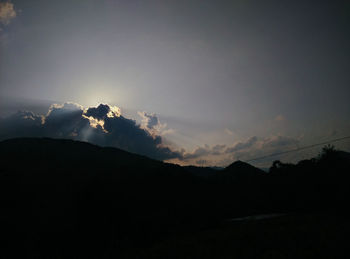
(95, 122)
(98, 90)
(105, 125)
(113, 112)
(102, 125)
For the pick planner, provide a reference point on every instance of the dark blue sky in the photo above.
(215, 72)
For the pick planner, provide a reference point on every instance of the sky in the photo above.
(202, 82)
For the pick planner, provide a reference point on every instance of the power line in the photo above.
(298, 149)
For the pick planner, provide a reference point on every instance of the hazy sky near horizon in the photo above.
(215, 72)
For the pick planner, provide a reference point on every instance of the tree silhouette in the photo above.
(328, 152)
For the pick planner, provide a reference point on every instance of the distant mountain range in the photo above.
(82, 154)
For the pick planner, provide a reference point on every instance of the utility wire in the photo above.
(298, 149)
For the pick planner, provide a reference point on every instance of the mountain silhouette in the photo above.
(70, 196)
(202, 171)
(241, 171)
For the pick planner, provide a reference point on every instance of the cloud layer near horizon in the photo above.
(103, 125)
(249, 149)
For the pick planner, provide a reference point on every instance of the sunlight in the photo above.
(114, 112)
(97, 92)
(95, 122)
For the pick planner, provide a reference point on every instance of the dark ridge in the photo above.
(201, 171)
(242, 167)
(41, 146)
(68, 199)
(238, 172)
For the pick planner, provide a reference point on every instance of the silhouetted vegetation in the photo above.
(68, 199)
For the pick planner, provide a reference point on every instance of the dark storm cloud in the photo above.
(64, 121)
(102, 125)
(22, 123)
(99, 112)
(126, 134)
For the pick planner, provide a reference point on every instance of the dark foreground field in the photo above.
(67, 199)
(288, 236)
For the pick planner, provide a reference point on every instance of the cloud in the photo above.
(64, 121)
(269, 145)
(198, 152)
(278, 142)
(99, 112)
(103, 111)
(103, 125)
(22, 123)
(253, 147)
(217, 149)
(151, 123)
(7, 13)
(206, 150)
(242, 145)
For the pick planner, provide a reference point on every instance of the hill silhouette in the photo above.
(66, 198)
(240, 171)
